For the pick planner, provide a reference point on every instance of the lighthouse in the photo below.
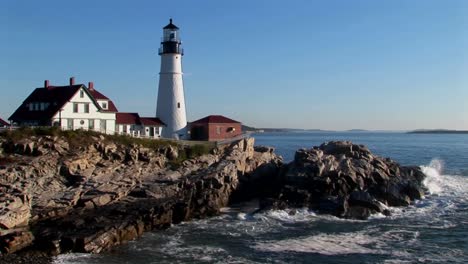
(171, 102)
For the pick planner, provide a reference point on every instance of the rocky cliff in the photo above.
(57, 198)
(60, 197)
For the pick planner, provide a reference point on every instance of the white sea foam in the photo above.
(326, 244)
(449, 186)
(72, 258)
(369, 241)
(446, 194)
(290, 215)
(433, 180)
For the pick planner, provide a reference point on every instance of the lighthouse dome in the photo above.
(170, 25)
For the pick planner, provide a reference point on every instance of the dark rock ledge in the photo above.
(346, 180)
(56, 199)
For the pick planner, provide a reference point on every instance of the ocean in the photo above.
(433, 230)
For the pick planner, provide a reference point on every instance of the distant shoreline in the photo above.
(438, 131)
(288, 130)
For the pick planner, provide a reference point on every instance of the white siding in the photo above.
(171, 100)
(81, 118)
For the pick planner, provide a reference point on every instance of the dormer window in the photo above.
(104, 105)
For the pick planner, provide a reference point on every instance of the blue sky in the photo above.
(387, 65)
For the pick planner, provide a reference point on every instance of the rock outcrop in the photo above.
(59, 197)
(346, 180)
(89, 198)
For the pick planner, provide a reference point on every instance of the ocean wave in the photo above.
(439, 183)
(325, 244)
(369, 241)
(73, 258)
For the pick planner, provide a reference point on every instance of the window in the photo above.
(103, 125)
(104, 105)
(75, 108)
(178, 105)
(86, 108)
(218, 130)
(91, 123)
(81, 93)
(31, 107)
(70, 123)
(36, 106)
(125, 128)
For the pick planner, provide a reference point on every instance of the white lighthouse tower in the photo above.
(171, 102)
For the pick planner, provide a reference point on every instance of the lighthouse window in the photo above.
(172, 36)
(178, 105)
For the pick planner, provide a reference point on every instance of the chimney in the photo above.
(90, 85)
(46, 84)
(72, 81)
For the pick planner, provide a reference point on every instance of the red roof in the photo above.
(3, 123)
(219, 119)
(151, 121)
(127, 118)
(99, 96)
(57, 97)
(135, 119)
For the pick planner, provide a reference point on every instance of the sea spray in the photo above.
(433, 180)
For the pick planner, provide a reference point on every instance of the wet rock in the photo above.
(347, 180)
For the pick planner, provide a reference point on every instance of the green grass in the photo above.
(190, 152)
(80, 138)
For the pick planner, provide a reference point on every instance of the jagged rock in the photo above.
(172, 153)
(103, 194)
(347, 180)
(15, 241)
(14, 208)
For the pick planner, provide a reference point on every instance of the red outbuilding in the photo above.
(3, 123)
(214, 128)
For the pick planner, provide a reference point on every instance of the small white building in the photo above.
(70, 107)
(133, 125)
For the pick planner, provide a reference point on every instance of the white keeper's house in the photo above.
(70, 107)
(76, 106)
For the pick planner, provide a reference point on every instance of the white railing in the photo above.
(230, 140)
(136, 135)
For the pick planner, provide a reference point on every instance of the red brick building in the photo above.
(215, 127)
